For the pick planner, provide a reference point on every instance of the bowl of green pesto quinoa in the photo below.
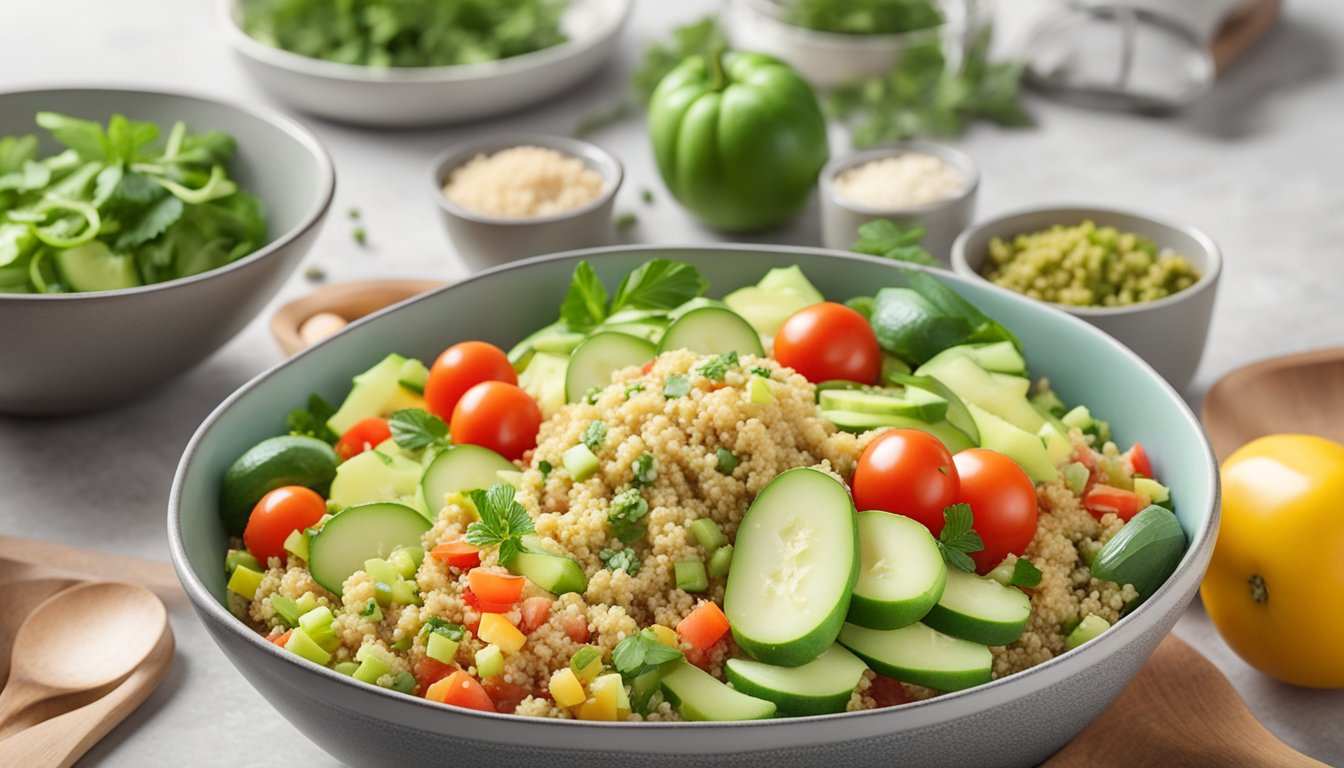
(1146, 281)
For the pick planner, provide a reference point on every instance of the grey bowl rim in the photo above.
(207, 606)
(293, 128)
(607, 164)
(248, 46)
(956, 158)
(1212, 273)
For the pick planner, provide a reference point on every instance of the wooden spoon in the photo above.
(79, 641)
(21, 601)
(62, 740)
(1301, 393)
(1180, 710)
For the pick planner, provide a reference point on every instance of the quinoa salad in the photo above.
(666, 507)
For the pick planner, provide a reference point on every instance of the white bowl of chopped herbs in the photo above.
(139, 231)
(419, 62)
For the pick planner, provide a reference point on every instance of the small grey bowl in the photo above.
(73, 352)
(942, 220)
(1168, 333)
(485, 241)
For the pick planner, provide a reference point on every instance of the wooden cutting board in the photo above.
(1302, 393)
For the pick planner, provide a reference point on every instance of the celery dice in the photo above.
(708, 534)
(721, 561)
(245, 581)
(301, 644)
(296, 543)
(580, 463)
(404, 593)
(441, 648)
(691, 576)
(380, 570)
(236, 557)
(489, 662)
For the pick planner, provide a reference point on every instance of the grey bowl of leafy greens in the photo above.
(139, 231)
(419, 62)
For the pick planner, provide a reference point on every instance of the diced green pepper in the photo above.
(301, 644)
(441, 648)
(245, 582)
(236, 557)
(721, 561)
(691, 576)
(708, 534)
(489, 662)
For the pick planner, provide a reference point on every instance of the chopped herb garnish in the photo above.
(957, 540)
(623, 515)
(761, 371)
(415, 428)
(585, 304)
(883, 238)
(312, 421)
(594, 436)
(645, 470)
(625, 221)
(624, 560)
(503, 521)
(726, 462)
(646, 195)
(360, 236)
(438, 626)
(637, 654)
(590, 397)
(658, 284)
(633, 388)
(716, 368)
(1025, 574)
(545, 468)
(676, 385)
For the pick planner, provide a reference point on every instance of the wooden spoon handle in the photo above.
(62, 740)
(159, 577)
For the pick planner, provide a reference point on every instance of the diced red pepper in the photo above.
(1104, 498)
(887, 692)
(429, 671)
(1138, 458)
(536, 611)
(704, 626)
(458, 554)
(576, 627)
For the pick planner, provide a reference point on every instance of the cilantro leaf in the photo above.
(623, 515)
(658, 284)
(435, 625)
(645, 470)
(503, 521)
(585, 304)
(312, 421)
(761, 371)
(884, 238)
(637, 654)
(1025, 574)
(716, 368)
(594, 436)
(957, 540)
(415, 428)
(150, 222)
(624, 560)
(676, 385)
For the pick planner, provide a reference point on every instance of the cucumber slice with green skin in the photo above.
(649, 330)
(461, 468)
(698, 695)
(795, 562)
(521, 353)
(996, 357)
(1144, 553)
(601, 355)
(712, 331)
(361, 533)
(921, 406)
(554, 573)
(377, 392)
(1014, 384)
(953, 438)
(901, 572)
(275, 461)
(1025, 448)
(376, 475)
(958, 415)
(980, 610)
(920, 655)
(975, 386)
(544, 380)
(92, 266)
(820, 687)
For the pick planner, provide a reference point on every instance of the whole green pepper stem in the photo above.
(717, 79)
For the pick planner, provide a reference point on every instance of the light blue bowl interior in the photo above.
(503, 305)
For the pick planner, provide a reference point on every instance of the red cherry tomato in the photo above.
(908, 472)
(829, 341)
(461, 367)
(362, 436)
(284, 510)
(1138, 458)
(1104, 498)
(1003, 502)
(497, 416)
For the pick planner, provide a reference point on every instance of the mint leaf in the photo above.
(585, 304)
(637, 654)
(503, 521)
(658, 284)
(1025, 574)
(435, 625)
(884, 238)
(594, 436)
(150, 223)
(957, 540)
(716, 368)
(312, 421)
(414, 428)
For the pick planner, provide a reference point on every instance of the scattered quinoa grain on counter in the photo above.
(1087, 266)
(904, 181)
(524, 182)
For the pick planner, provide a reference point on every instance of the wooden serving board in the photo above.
(1302, 393)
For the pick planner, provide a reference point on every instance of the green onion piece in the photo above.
(245, 582)
(721, 561)
(236, 557)
(285, 609)
(441, 648)
(691, 576)
(489, 661)
(726, 461)
(708, 534)
(580, 463)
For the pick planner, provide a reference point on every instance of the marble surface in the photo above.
(1257, 164)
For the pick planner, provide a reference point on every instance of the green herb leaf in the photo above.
(414, 428)
(594, 436)
(631, 389)
(585, 304)
(884, 238)
(434, 624)
(676, 385)
(957, 540)
(725, 461)
(716, 368)
(1025, 574)
(761, 371)
(661, 57)
(624, 513)
(658, 284)
(545, 468)
(864, 17)
(918, 322)
(623, 560)
(312, 421)
(637, 654)
(504, 522)
(645, 470)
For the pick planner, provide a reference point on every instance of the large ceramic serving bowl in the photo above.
(412, 96)
(63, 353)
(1015, 721)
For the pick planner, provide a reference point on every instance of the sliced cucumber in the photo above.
(953, 438)
(712, 331)
(1011, 383)
(1026, 448)
(976, 386)
(544, 379)
(377, 392)
(554, 573)
(1144, 553)
(997, 357)
(358, 534)
(794, 566)
(820, 687)
(92, 266)
(601, 355)
(920, 655)
(698, 695)
(461, 468)
(980, 610)
(1057, 444)
(901, 572)
(957, 413)
(377, 475)
(912, 403)
(275, 461)
(555, 337)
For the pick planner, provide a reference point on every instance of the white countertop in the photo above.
(1257, 164)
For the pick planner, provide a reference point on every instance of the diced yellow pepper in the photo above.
(622, 698)
(566, 688)
(666, 635)
(497, 629)
(602, 701)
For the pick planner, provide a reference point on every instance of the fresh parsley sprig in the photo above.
(646, 471)
(1025, 574)
(716, 368)
(637, 654)
(659, 284)
(623, 515)
(415, 428)
(623, 560)
(504, 522)
(884, 238)
(957, 540)
(312, 421)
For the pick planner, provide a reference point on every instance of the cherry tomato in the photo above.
(1104, 498)
(1003, 501)
(461, 367)
(427, 672)
(908, 472)
(284, 510)
(497, 416)
(887, 692)
(829, 341)
(536, 611)
(362, 436)
(1138, 458)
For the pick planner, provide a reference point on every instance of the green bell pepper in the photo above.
(739, 139)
